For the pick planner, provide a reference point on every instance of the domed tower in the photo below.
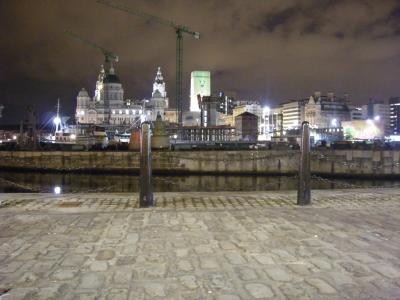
(112, 90)
(109, 91)
(82, 105)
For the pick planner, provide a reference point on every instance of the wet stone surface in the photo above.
(344, 246)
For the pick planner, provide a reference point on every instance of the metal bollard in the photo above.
(304, 189)
(146, 182)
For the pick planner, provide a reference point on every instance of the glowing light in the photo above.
(127, 111)
(73, 136)
(377, 118)
(142, 118)
(57, 120)
(14, 137)
(57, 190)
(175, 136)
(113, 111)
(334, 122)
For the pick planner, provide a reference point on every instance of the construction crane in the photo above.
(179, 30)
(109, 56)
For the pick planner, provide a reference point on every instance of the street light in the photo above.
(57, 120)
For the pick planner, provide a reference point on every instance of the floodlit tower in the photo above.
(200, 84)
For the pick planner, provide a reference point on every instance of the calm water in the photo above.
(46, 182)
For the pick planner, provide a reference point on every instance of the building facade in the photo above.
(326, 112)
(394, 104)
(108, 106)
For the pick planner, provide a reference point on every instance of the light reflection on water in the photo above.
(46, 182)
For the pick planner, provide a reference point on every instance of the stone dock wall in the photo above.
(323, 162)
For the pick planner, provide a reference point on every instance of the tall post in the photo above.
(179, 63)
(146, 182)
(304, 189)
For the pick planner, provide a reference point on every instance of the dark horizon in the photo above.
(268, 51)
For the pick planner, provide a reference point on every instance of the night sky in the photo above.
(267, 50)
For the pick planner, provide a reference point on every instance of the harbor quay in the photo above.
(221, 245)
(325, 162)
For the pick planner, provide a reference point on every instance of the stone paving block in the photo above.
(264, 259)
(235, 258)
(355, 269)
(64, 274)
(73, 261)
(301, 269)
(363, 258)
(278, 273)
(321, 285)
(386, 270)
(209, 263)
(99, 266)
(92, 280)
(246, 273)
(185, 266)
(122, 276)
(118, 294)
(189, 281)
(259, 290)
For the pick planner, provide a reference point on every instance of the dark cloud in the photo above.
(266, 50)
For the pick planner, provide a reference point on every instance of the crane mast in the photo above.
(179, 30)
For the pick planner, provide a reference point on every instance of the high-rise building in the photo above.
(200, 84)
(292, 114)
(226, 103)
(394, 104)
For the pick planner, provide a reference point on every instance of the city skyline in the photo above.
(268, 51)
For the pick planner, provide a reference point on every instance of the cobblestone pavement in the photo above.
(201, 246)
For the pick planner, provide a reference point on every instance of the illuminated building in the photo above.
(200, 84)
(107, 107)
(226, 103)
(379, 111)
(325, 112)
(356, 113)
(292, 114)
(394, 104)
(159, 101)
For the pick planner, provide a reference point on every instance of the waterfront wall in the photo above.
(323, 162)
